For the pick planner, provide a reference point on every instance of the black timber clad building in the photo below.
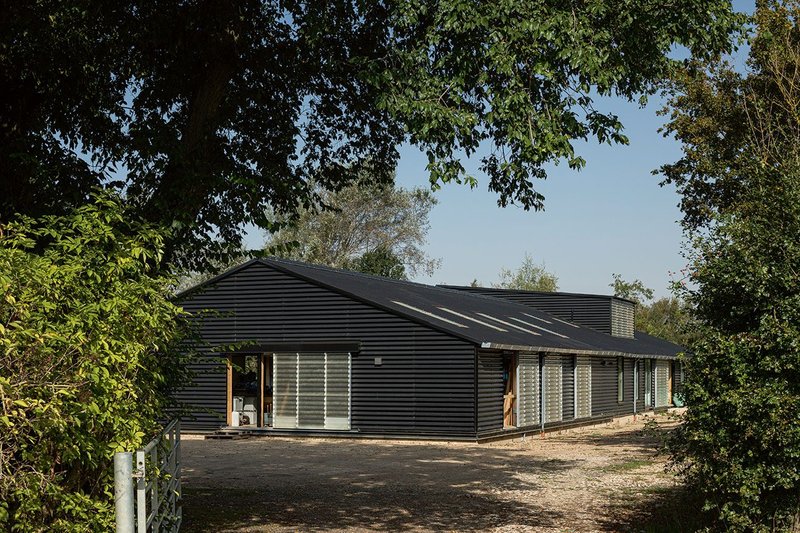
(299, 347)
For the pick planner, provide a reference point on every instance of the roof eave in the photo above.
(572, 351)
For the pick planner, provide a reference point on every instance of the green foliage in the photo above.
(635, 290)
(223, 112)
(88, 358)
(379, 262)
(377, 228)
(666, 318)
(740, 442)
(528, 277)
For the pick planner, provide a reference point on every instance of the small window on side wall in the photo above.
(620, 379)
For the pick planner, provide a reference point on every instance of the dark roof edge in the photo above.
(572, 351)
(469, 288)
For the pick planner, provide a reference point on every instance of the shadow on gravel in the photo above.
(670, 509)
(317, 485)
(635, 439)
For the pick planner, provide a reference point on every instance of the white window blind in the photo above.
(528, 402)
(583, 387)
(312, 390)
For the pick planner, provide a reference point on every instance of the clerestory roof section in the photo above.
(486, 321)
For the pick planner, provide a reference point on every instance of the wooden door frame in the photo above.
(229, 387)
(260, 400)
(229, 390)
(670, 379)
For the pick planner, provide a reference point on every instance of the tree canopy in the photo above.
(635, 290)
(380, 262)
(740, 180)
(528, 277)
(371, 228)
(208, 116)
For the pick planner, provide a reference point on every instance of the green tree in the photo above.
(528, 277)
(635, 290)
(740, 180)
(88, 361)
(668, 318)
(377, 222)
(209, 115)
(380, 262)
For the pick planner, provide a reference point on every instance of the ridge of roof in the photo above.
(356, 274)
(469, 288)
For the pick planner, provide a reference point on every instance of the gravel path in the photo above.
(602, 478)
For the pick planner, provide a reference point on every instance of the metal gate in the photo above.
(147, 498)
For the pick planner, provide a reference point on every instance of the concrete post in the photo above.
(123, 492)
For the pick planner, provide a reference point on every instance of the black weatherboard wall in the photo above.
(490, 391)
(424, 385)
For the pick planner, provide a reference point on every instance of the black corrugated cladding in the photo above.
(568, 387)
(677, 377)
(592, 311)
(490, 391)
(604, 387)
(424, 384)
(640, 401)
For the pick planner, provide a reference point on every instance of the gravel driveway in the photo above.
(603, 478)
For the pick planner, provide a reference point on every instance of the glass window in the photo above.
(620, 379)
(312, 390)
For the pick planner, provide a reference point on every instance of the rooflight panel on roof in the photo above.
(509, 324)
(426, 313)
(538, 327)
(554, 318)
(465, 317)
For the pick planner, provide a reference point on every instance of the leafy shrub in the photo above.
(740, 442)
(88, 344)
(739, 179)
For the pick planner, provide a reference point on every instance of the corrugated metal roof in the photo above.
(486, 321)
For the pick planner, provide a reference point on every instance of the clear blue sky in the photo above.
(610, 217)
